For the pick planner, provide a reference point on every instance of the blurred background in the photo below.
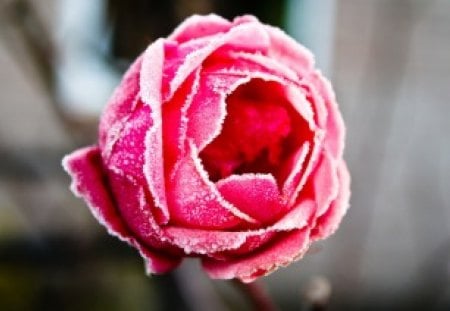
(389, 61)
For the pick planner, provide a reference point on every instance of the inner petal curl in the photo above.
(260, 132)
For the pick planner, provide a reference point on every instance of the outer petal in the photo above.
(310, 164)
(287, 51)
(85, 168)
(229, 244)
(335, 129)
(329, 222)
(119, 107)
(194, 199)
(208, 109)
(288, 248)
(228, 59)
(325, 182)
(150, 91)
(296, 169)
(198, 26)
(127, 156)
(175, 121)
(256, 195)
(247, 36)
(138, 212)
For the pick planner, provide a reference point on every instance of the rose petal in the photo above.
(256, 195)
(298, 163)
(207, 112)
(175, 55)
(247, 36)
(325, 182)
(120, 106)
(175, 121)
(251, 243)
(238, 20)
(329, 221)
(289, 52)
(150, 84)
(198, 26)
(137, 210)
(202, 241)
(301, 105)
(229, 243)
(250, 61)
(288, 248)
(310, 163)
(127, 156)
(194, 199)
(335, 129)
(208, 109)
(85, 168)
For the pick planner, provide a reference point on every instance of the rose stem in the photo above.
(258, 296)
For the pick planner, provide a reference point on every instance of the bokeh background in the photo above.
(389, 61)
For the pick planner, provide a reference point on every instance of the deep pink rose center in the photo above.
(257, 135)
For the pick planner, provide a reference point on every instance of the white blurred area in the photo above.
(84, 80)
(313, 23)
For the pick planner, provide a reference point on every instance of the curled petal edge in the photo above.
(84, 166)
(284, 251)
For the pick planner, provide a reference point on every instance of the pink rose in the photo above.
(222, 142)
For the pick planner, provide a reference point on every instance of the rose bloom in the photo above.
(222, 142)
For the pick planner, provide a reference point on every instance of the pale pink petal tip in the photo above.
(194, 199)
(328, 223)
(281, 253)
(256, 195)
(198, 26)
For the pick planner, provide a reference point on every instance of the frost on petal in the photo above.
(229, 244)
(120, 105)
(150, 91)
(127, 156)
(329, 221)
(295, 170)
(194, 199)
(256, 195)
(88, 182)
(310, 163)
(249, 62)
(289, 247)
(289, 52)
(298, 217)
(325, 182)
(204, 241)
(139, 213)
(217, 244)
(301, 105)
(335, 129)
(197, 26)
(86, 169)
(259, 134)
(175, 121)
(246, 37)
(175, 56)
(208, 109)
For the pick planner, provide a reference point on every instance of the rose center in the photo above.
(255, 136)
